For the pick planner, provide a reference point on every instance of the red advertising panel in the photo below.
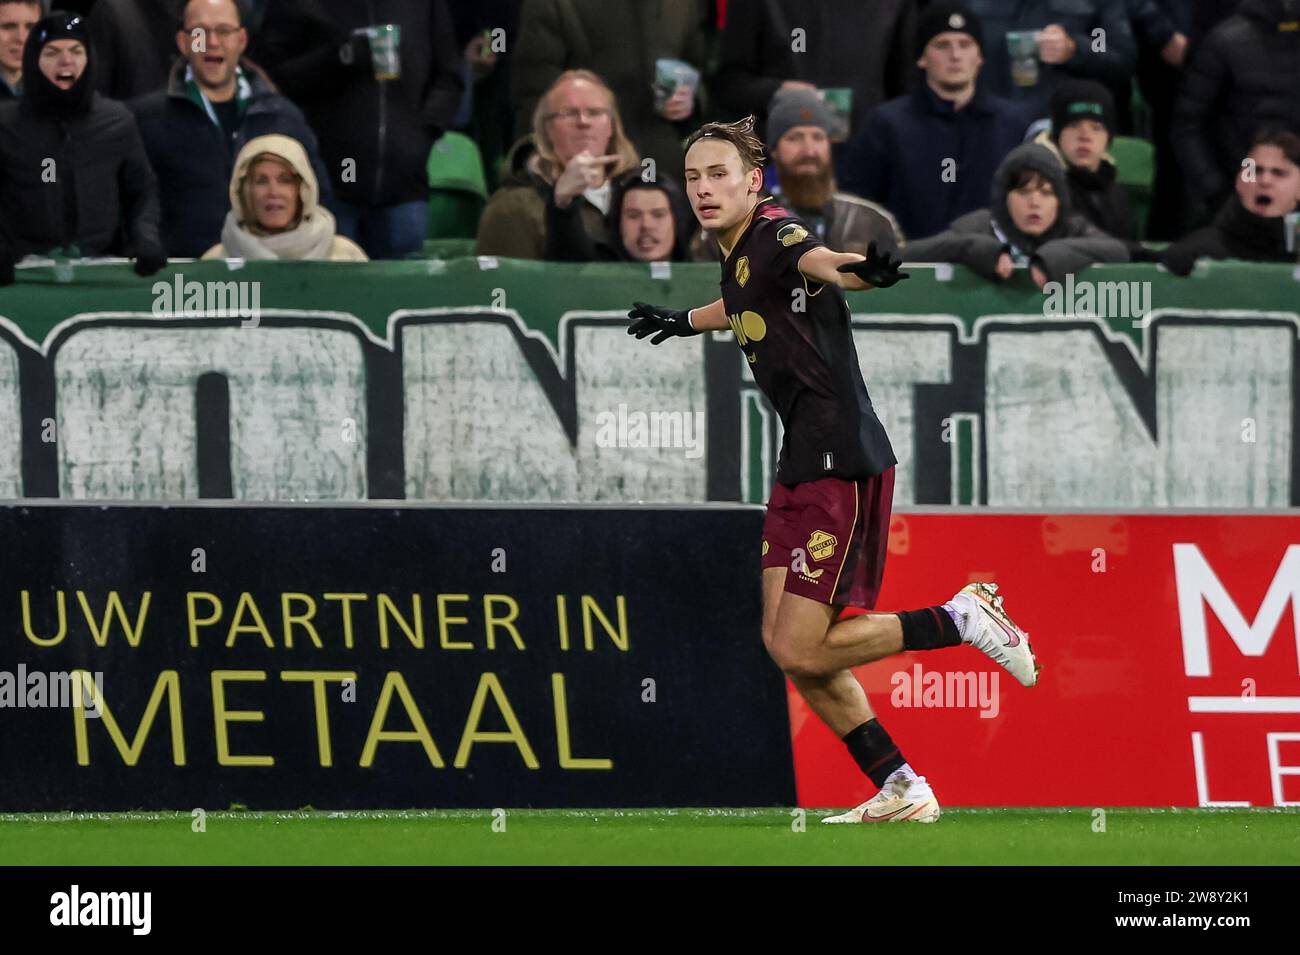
(1171, 672)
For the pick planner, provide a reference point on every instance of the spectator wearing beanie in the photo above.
(929, 156)
(1083, 123)
(1252, 224)
(1029, 223)
(798, 127)
(1244, 75)
(104, 199)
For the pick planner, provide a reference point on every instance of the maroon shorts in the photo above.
(831, 536)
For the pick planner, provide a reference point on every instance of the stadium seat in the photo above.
(459, 188)
(1135, 164)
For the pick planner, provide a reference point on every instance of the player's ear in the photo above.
(756, 179)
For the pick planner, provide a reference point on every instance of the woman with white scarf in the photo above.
(273, 208)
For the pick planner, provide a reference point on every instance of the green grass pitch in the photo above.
(653, 837)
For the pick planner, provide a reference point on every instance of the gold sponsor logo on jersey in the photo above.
(821, 545)
(742, 270)
(766, 548)
(748, 327)
(792, 233)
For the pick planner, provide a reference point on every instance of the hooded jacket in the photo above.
(73, 171)
(1097, 196)
(979, 238)
(194, 158)
(313, 237)
(1246, 74)
(1236, 233)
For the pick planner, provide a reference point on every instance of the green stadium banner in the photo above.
(483, 380)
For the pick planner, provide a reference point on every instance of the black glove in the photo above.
(149, 261)
(878, 270)
(667, 322)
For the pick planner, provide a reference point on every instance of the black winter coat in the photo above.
(899, 158)
(864, 46)
(1237, 233)
(386, 128)
(103, 197)
(194, 159)
(1101, 200)
(1245, 74)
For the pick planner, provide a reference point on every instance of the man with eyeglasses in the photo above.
(215, 102)
(557, 180)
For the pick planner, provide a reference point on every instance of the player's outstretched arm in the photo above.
(665, 323)
(851, 271)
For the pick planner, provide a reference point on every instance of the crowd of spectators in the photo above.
(992, 133)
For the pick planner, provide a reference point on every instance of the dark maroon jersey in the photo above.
(803, 360)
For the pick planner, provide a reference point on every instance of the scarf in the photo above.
(311, 239)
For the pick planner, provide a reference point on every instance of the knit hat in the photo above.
(946, 18)
(795, 108)
(1082, 99)
(39, 94)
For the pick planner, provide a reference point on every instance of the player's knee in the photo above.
(795, 660)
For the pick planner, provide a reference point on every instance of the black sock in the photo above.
(874, 751)
(928, 629)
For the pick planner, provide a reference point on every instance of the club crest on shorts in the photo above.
(792, 233)
(742, 270)
(821, 545)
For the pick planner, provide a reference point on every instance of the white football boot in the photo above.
(901, 799)
(989, 629)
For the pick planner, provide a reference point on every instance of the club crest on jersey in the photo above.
(742, 270)
(821, 545)
(792, 233)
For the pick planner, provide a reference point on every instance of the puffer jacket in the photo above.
(1245, 75)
